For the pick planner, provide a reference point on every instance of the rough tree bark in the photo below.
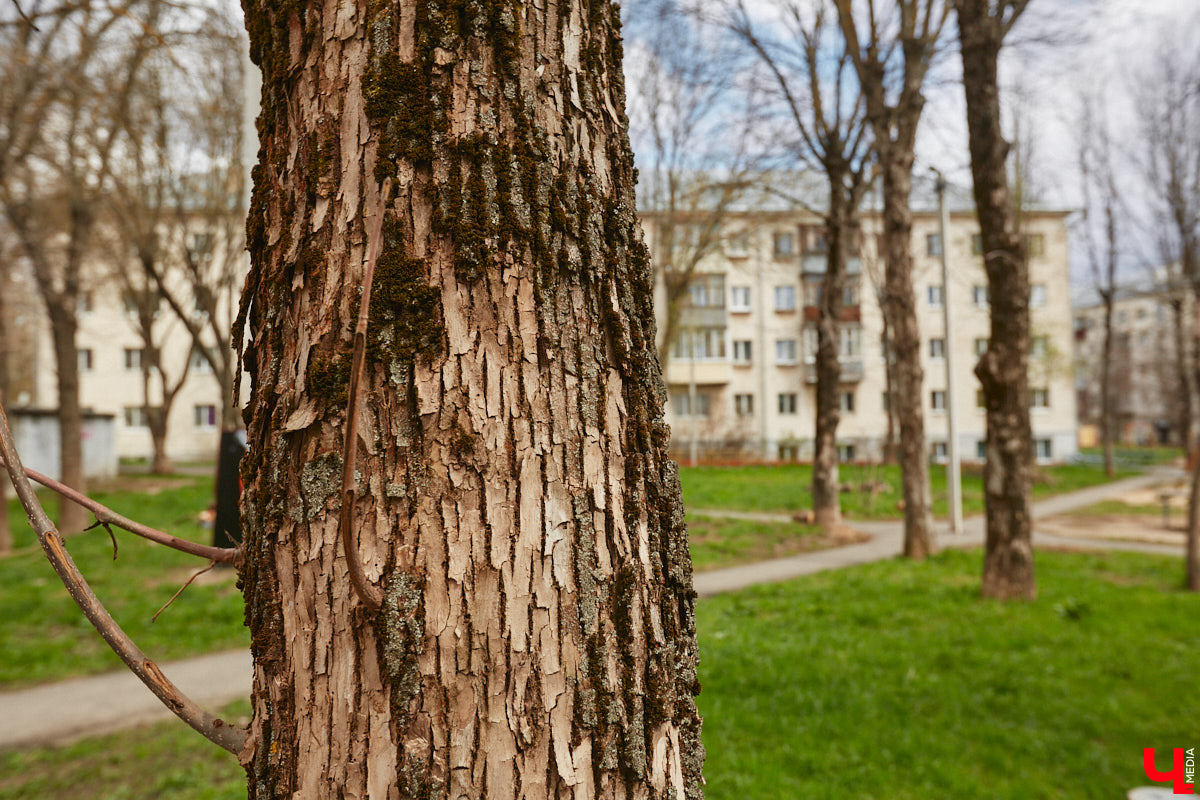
(1004, 367)
(519, 514)
(826, 498)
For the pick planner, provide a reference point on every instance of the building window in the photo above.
(939, 451)
(846, 402)
(743, 405)
(981, 346)
(707, 291)
(845, 453)
(787, 403)
(83, 302)
(1036, 244)
(980, 400)
(933, 244)
(785, 298)
(789, 451)
(1043, 449)
(977, 244)
(1037, 295)
(885, 401)
(935, 296)
(204, 416)
(738, 245)
(850, 295)
(200, 361)
(681, 404)
(134, 357)
(742, 351)
(981, 450)
(739, 298)
(784, 245)
(937, 348)
(937, 399)
(979, 296)
(1122, 317)
(785, 351)
(849, 342)
(84, 358)
(135, 417)
(700, 344)
(811, 344)
(1039, 398)
(1039, 347)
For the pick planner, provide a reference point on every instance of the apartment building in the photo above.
(741, 372)
(1147, 365)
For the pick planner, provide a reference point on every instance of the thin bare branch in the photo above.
(368, 594)
(112, 537)
(186, 584)
(212, 728)
(224, 555)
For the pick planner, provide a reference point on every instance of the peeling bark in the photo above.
(517, 508)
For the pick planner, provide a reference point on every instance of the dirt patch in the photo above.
(1152, 496)
(1116, 527)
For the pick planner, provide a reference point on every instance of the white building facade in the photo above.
(742, 376)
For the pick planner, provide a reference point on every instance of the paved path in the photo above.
(103, 703)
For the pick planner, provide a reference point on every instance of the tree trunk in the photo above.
(6, 543)
(826, 498)
(518, 510)
(1106, 410)
(907, 392)
(1186, 402)
(1004, 368)
(71, 518)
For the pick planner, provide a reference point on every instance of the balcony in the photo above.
(813, 263)
(706, 371)
(702, 317)
(852, 371)
(847, 314)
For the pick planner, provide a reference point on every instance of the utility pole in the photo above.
(953, 468)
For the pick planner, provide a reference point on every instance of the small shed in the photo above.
(36, 432)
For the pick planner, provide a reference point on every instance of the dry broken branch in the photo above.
(370, 595)
(212, 728)
(106, 516)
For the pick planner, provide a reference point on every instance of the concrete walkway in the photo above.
(103, 703)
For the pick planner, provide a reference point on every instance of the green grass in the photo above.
(1137, 455)
(786, 487)
(717, 542)
(890, 680)
(168, 761)
(895, 680)
(43, 635)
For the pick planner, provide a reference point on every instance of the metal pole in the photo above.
(953, 468)
(695, 426)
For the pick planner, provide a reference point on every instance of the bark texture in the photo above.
(1004, 368)
(517, 507)
(826, 499)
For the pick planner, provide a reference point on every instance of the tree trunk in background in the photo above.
(1106, 409)
(907, 392)
(71, 518)
(6, 543)
(1004, 368)
(517, 506)
(1187, 419)
(826, 498)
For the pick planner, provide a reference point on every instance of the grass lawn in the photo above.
(891, 680)
(895, 680)
(168, 761)
(719, 542)
(785, 487)
(44, 636)
(1109, 507)
(1137, 455)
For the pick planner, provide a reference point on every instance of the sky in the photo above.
(1058, 49)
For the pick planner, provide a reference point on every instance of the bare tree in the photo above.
(1169, 105)
(1003, 370)
(892, 46)
(697, 156)
(1098, 227)
(61, 129)
(828, 129)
